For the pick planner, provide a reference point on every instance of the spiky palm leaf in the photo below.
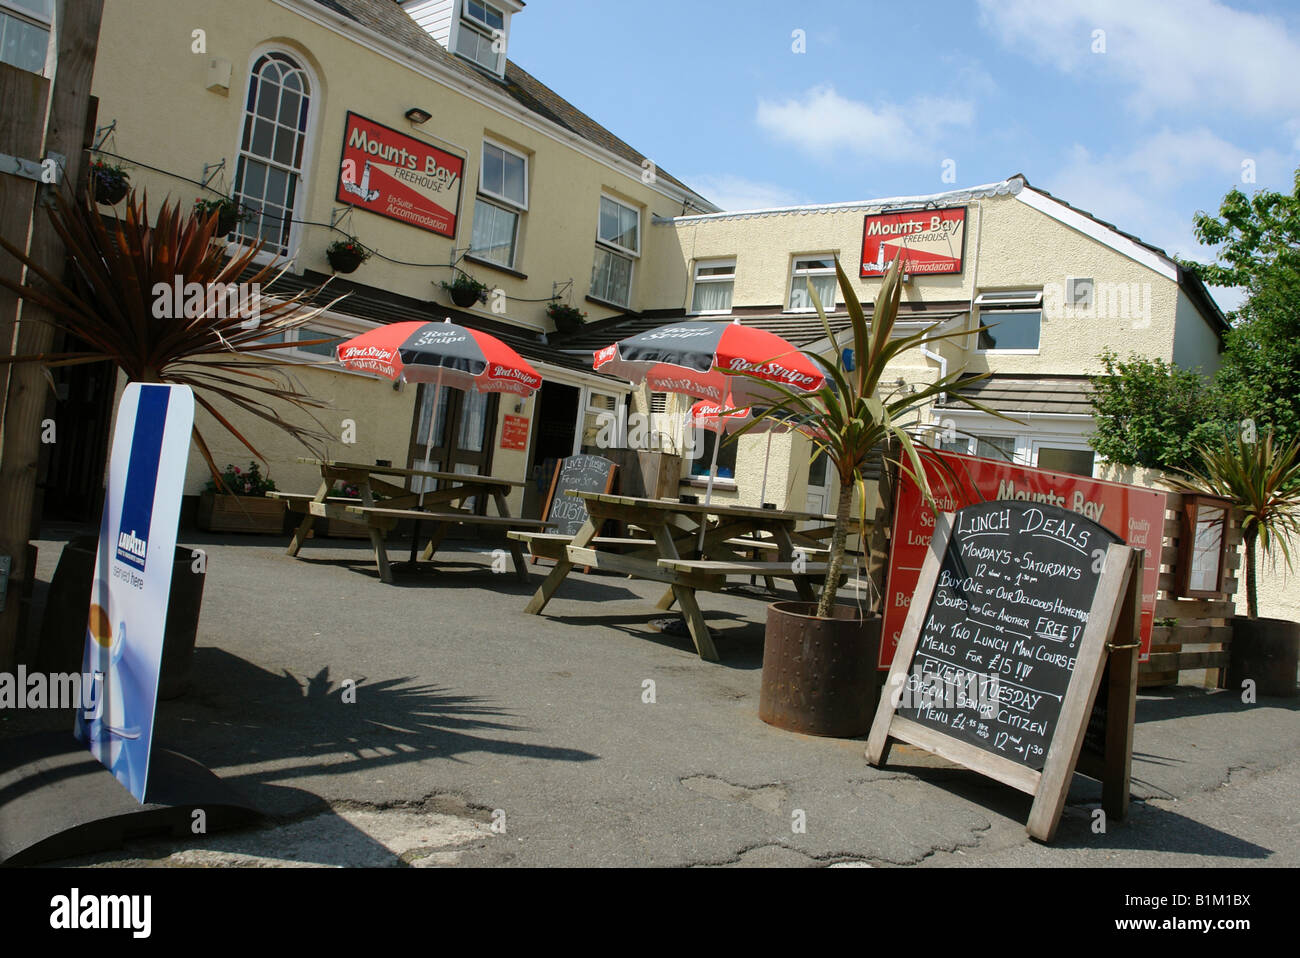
(1263, 479)
(846, 418)
(110, 302)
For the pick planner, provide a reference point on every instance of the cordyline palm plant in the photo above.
(165, 305)
(1263, 479)
(846, 418)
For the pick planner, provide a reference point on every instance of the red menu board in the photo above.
(514, 432)
(1135, 514)
(930, 241)
(400, 177)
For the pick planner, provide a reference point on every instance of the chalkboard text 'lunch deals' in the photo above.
(1133, 514)
(1003, 626)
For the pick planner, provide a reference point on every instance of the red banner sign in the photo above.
(1135, 514)
(514, 432)
(397, 176)
(932, 242)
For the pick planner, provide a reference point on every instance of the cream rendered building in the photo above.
(262, 100)
(1055, 285)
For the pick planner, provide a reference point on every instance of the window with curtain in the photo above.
(268, 178)
(480, 24)
(714, 282)
(25, 33)
(821, 271)
(503, 197)
(618, 233)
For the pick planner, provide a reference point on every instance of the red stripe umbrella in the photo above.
(443, 354)
(703, 360)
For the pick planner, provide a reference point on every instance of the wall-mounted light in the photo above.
(416, 115)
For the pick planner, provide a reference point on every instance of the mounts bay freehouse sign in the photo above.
(397, 176)
(932, 242)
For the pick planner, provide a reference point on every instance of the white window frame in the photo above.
(483, 30)
(299, 211)
(332, 324)
(719, 278)
(636, 253)
(979, 350)
(1010, 298)
(488, 141)
(796, 272)
(43, 22)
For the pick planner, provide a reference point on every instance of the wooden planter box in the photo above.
(241, 514)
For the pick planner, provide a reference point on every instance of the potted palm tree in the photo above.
(819, 659)
(121, 300)
(1262, 479)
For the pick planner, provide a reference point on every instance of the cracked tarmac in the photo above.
(482, 736)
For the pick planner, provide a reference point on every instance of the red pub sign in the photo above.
(1135, 514)
(397, 176)
(932, 242)
(514, 432)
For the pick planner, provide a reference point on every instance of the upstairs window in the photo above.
(25, 33)
(618, 240)
(1010, 330)
(821, 271)
(715, 280)
(502, 199)
(268, 178)
(481, 36)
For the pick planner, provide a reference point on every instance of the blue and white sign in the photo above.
(133, 575)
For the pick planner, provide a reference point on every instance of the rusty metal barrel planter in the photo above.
(819, 675)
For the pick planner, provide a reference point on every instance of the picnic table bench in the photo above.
(668, 556)
(437, 506)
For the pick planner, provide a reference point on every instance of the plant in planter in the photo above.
(238, 503)
(346, 255)
(227, 209)
(566, 318)
(110, 182)
(1262, 479)
(819, 659)
(465, 290)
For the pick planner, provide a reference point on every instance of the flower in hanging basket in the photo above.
(345, 255)
(237, 482)
(228, 211)
(111, 182)
(566, 318)
(465, 290)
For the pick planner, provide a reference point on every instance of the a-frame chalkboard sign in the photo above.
(1020, 610)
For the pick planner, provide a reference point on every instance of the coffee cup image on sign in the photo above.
(107, 726)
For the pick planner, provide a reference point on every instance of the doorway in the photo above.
(462, 436)
(554, 430)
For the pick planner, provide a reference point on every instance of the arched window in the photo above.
(268, 178)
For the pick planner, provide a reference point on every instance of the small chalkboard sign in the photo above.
(582, 474)
(1019, 609)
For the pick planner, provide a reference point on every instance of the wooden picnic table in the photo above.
(443, 507)
(669, 556)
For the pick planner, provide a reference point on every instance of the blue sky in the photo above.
(1172, 105)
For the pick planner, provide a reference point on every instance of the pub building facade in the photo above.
(407, 126)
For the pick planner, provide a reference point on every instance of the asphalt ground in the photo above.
(482, 736)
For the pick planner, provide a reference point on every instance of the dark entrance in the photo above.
(555, 422)
(73, 465)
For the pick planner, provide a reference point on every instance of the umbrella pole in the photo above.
(762, 493)
(428, 449)
(708, 492)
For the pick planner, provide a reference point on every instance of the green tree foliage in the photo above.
(1153, 414)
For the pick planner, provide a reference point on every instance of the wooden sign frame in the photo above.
(555, 477)
(1111, 636)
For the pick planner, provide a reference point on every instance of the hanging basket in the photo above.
(345, 260)
(464, 296)
(110, 191)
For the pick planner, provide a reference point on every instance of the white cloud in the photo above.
(738, 193)
(823, 123)
(1141, 190)
(1193, 54)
